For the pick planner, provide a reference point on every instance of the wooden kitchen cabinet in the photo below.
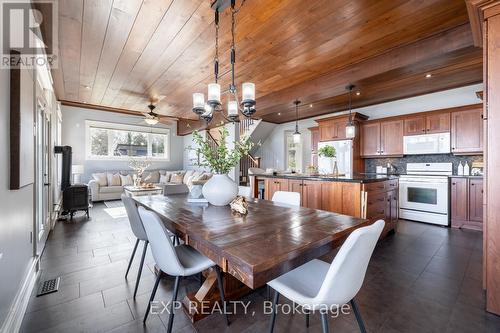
(414, 125)
(466, 202)
(427, 124)
(274, 184)
(383, 138)
(467, 132)
(370, 139)
(476, 200)
(437, 123)
(311, 194)
(332, 130)
(295, 185)
(391, 137)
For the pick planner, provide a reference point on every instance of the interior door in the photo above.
(43, 179)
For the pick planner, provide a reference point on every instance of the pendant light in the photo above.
(296, 134)
(350, 129)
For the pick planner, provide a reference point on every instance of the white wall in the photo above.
(73, 134)
(16, 214)
(272, 150)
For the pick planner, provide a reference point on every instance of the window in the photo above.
(293, 153)
(117, 141)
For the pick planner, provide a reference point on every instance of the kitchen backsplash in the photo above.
(400, 162)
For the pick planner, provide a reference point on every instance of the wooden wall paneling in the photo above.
(493, 161)
(145, 24)
(121, 20)
(94, 25)
(70, 35)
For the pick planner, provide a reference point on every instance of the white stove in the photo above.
(423, 192)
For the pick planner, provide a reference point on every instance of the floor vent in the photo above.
(49, 286)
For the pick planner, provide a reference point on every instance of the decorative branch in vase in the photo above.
(139, 166)
(220, 190)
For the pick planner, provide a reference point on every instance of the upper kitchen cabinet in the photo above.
(427, 124)
(314, 145)
(370, 139)
(331, 129)
(383, 138)
(467, 132)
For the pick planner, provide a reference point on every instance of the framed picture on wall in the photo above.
(22, 141)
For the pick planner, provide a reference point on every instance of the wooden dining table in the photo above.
(252, 249)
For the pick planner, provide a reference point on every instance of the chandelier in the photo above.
(213, 104)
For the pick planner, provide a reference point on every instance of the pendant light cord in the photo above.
(216, 58)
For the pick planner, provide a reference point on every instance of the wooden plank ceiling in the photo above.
(120, 53)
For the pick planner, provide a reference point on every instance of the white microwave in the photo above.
(438, 143)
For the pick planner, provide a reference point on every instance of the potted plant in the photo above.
(220, 190)
(330, 153)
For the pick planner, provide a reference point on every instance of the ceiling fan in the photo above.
(151, 118)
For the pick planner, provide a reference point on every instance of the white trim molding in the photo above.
(12, 323)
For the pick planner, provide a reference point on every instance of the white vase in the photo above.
(220, 190)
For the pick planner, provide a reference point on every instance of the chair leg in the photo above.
(221, 290)
(273, 317)
(324, 322)
(174, 299)
(268, 293)
(132, 257)
(153, 293)
(140, 267)
(307, 319)
(359, 319)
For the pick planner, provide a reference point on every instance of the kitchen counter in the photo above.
(356, 178)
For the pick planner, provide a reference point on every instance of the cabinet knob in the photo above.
(423, 130)
(472, 184)
(453, 183)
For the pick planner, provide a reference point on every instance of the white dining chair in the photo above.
(290, 198)
(139, 232)
(244, 191)
(318, 285)
(178, 261)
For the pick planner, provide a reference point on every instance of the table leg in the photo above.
(200, 304)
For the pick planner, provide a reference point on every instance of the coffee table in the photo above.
(135, 191)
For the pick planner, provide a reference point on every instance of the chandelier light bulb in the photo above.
(232, 108)
(151, 121)
(350, 131)
(198, 100)
(214, 92)
(248, 91)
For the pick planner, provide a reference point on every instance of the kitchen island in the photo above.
(362, 195)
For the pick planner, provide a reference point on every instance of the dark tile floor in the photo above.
(422, 279)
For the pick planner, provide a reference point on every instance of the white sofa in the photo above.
(104, 187)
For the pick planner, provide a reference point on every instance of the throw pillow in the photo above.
(164, 179)
(126, 180)
(177, 178)
(113, 179)
(100, 178)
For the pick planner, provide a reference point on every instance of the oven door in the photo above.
(426, 196)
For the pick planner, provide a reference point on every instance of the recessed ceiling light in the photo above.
(428, 75)
(86, 87)
(358, 93)
(279, 113)
(310, 105)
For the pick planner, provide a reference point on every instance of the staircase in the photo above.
(258, 132)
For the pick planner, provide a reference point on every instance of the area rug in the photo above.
(113, 203)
